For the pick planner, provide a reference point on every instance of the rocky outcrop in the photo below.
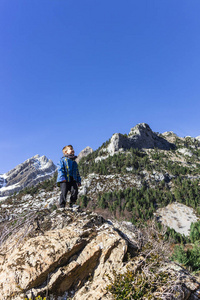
(185, 151)
(140, 136)
(29, 173)
(74, 254)
(177, 216)
(95, 184)
(61, 252)
(170, 136)
(84, 153)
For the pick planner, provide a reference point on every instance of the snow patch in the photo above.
(41, 162)
(10, 187)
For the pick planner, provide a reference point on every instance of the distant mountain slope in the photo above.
(131, 176)
(32, 171)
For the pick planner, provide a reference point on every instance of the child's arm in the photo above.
(61, 172)
(76, 174)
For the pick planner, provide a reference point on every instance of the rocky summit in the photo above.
(84, 153)
(140, 136)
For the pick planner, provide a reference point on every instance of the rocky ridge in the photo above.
(75, 247)
(29, 173)
(140, 136)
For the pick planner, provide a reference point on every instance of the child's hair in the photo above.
(66, 148)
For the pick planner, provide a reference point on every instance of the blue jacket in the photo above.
(68, 170)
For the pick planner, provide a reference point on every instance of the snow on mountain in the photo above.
(198, 138)
(2, 180)
(26, 174)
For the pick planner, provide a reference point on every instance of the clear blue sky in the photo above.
(77, 71)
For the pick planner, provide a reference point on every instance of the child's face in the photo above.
(69, 151)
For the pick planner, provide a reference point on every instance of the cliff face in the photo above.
(69, 253)
(140, 136)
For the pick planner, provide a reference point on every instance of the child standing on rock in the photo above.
(68, 176)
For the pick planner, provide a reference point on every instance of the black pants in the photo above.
(68, 187)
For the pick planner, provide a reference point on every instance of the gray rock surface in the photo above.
(177, 216)
(72, 255)
(186, 152)
(140, 136)
(84, 153)
(2, 181)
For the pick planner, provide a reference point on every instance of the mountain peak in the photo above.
(140, 136)
(139, 128)
(84, 153)
(28, 173)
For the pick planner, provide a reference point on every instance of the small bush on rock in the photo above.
(190, 258)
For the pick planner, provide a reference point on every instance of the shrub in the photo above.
(190, 258)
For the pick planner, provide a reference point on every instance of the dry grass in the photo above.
(15, 231)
